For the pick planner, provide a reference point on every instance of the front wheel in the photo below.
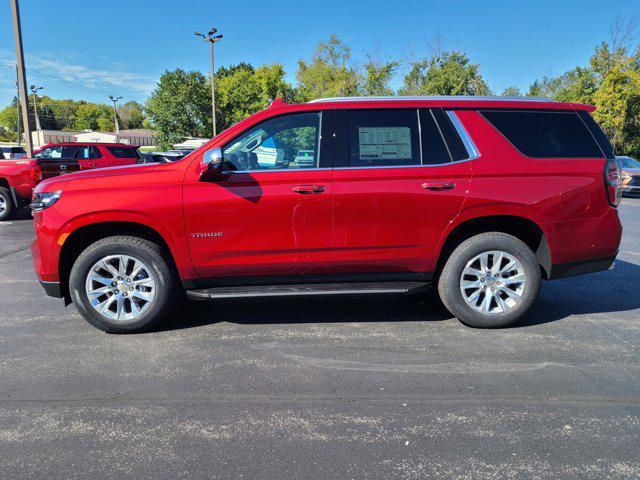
(122, 284)
(490, 280)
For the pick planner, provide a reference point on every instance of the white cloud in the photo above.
(52, 68)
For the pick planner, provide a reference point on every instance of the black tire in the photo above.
(151, 255)
(449, 281)
(9, 208)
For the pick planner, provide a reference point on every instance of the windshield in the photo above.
(628, 162)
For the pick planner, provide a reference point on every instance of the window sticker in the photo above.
(379, 143)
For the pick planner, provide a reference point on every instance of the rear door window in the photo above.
(88, 153)
(546, 134)
(379, 138)
(123, 152)
(434, 150)
(456, 147)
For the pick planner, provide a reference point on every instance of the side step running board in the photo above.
(307, 289)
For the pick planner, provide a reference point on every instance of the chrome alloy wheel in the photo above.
(3, 205)
(493, 282)
(120, 287)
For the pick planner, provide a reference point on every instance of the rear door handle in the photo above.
(439, 185)
(306, 189)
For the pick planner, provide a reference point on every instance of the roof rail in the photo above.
(464, 98)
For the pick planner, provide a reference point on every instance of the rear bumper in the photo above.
(53, 289)
(571, 269)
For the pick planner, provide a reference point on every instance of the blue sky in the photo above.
(90, 49)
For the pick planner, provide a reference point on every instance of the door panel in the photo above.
(254, 224)
(386, 221)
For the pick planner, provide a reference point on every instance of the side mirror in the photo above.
(212, 161)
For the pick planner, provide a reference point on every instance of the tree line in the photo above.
(180, 105)
(69, 114)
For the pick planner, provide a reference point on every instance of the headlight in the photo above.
(44, 200)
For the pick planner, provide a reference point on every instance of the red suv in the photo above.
(480, 197)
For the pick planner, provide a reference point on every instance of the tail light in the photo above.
(35, 172)
(613, 182)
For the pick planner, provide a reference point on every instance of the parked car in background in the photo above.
(92, 155)
(160, 157)
(8, 152)
(630, 175)
(480, 197)
(18, 177)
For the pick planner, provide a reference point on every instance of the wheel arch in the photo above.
(80, 238)
(523, 228)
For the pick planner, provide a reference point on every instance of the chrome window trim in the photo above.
(467, 141)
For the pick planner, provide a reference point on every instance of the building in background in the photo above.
(137, 137)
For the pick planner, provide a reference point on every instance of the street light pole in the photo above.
(213, 92)
(115, 116)
(18, 105)
(211, 39)
(22, 78)
(35, 106)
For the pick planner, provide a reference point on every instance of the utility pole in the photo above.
(211, 39)
(35, 106)
(22, 78)
(18, 105)
(115, 116)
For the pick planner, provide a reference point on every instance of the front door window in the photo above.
(281, 143)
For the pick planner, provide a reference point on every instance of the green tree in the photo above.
(243, 91)
(9, 118)
(576, 85)
(180, 106)
(377, 76)
(131, 115)
(329, 73)
(93, 116)
(617, 102)
(445, 73)
(511, 91)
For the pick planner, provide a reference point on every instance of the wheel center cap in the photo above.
(122, 287)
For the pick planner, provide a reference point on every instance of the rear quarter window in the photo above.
(546, 134)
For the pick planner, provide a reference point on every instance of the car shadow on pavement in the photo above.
(611, 291)
(603, 292)
(23, 214)
(329, 309)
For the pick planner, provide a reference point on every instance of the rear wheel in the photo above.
(7, 208)
(122, 284)
(491, 280)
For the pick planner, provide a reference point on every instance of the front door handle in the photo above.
(306, 189)
(439, 185)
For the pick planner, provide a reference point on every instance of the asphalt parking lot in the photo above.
(333, 388)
